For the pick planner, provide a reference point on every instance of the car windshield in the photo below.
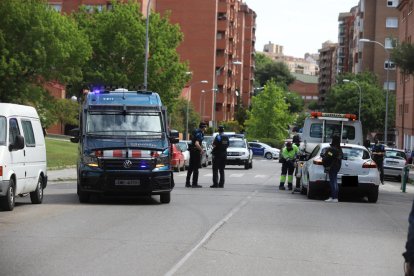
(2, 130)
(331, 130)
(237, 144)
(394, 154)
(133, 124)
(350, 153)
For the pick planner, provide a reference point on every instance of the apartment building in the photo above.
(306, 86)
(405, 82)
(219, 39)
(346, 23)
(327, 69)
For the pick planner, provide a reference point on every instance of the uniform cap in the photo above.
(289, 144)
(202, 125)
(221, 128)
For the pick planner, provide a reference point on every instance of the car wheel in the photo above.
(177, 169)
(165, 198)
(83, 196)
(246, 165)
(7, 202)
(269, 156)
(36, 197)
(309, 191)
(373, 194)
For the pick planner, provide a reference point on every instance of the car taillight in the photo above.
(318, 161)
(369, 165)
(1, 170)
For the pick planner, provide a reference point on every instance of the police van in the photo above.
(23, 169)
(319, 127)
(125, 145)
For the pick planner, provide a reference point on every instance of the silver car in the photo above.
(394, 162)
(359, 173)
(239, 153)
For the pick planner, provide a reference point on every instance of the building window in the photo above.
(390, 43)
(391, 22)
(56, 7)
(392, 3)
(392, 85)
(389, 65)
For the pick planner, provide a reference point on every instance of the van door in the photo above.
(33, 156)
(17, 157)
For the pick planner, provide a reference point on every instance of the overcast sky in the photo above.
(300, 26)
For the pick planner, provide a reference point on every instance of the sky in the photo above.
(300, 26)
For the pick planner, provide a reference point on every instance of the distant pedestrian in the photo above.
(220, 144)
(334, 154)
(196, 150)
(288, 159)
(378, 152)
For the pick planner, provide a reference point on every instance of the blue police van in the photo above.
(124, 145)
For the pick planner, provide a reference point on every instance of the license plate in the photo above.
(127, 182)
(232, 153)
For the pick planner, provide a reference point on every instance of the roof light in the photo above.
(316, 114)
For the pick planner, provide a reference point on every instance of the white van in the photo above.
(22, 155)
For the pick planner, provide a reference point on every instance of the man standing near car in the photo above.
(220, 144)
(196, 150)
(378, 152)
(288, 158)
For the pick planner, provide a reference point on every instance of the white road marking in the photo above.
(210, 232)
(237, 175)
(261, 176)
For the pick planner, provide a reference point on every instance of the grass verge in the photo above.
(60, 153)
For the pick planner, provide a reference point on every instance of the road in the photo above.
(247, 228)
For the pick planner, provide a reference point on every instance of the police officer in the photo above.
(288, 156)
(196, 150)
(220, 144)
(378, 152)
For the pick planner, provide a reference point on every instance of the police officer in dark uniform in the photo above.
(220, 144)
(196, 150)
(378, 152)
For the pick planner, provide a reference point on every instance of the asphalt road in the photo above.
(247, 228)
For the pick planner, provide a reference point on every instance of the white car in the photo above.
(264, 150)
(359, 173)
(183, 145)
(394, 162)
(239, 153)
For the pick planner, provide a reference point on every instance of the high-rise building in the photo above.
(327, 69)
(345, 41)
(405, 82)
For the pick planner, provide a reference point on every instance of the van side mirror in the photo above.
(18, 143)
(174, 135)
(75, 133)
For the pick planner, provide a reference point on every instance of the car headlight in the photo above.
(162, 159)
(91, 160)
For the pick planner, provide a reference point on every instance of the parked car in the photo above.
(394, 162)
(208, 148)
(208, 139)
(239, 153)
(358, 174)
(184, 149)
(264, 150)
(204, 158)
(177, 159)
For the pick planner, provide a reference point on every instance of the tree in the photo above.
(37, 44)
(179, 113)
(344, 98)
(241, 115)
(67, 111)
(269, 116)
(294, 101)
(267, 69)
(117, 37)
(403, 56)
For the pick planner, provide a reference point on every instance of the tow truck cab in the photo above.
(124, 145)
(319, 127)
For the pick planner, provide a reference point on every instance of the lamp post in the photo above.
(188, 104)
(215, 90)
(388, 85)
(202, 106)
(146, 45)
(360, 96)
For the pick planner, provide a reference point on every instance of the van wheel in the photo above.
(373, 194)
(165, 197)
(37, 195)
(7, 201)
(83, 196)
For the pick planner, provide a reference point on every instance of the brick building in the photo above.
(327, 69)
(405, 83)
(306, 86)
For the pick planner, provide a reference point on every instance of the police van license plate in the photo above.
(127, 182)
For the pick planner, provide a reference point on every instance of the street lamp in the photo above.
(146, 45)
(202, 106)
(188, 104)
(215, 90)
(360, 95)
(388, 85)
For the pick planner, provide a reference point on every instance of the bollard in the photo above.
(404, 178)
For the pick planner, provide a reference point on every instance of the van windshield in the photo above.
(133, 124)
(2, 130)
(331, 130)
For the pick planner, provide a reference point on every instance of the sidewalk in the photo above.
(61, 175)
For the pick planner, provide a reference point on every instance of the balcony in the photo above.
(222, 25)
(221, 44)
(222, 7)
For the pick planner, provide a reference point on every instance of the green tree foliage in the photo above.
(241, 115)
(37, 44)
(344, 98)
(294, 101)
(117, 37)
(67, 111)
(313, 105)
(267, 69)
(269, 116)
(403, 56)
(179, 113)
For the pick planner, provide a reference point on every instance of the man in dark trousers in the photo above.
(220, 144)
(196, 150)
(378, 152)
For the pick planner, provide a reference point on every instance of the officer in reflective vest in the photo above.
(220, 144)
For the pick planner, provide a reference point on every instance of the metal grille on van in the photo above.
(123, 164)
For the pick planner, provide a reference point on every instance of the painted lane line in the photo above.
(210, 232)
